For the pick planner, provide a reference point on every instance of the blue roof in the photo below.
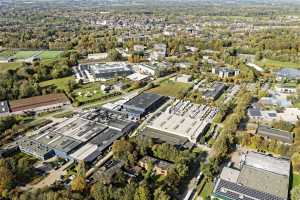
(290, 73)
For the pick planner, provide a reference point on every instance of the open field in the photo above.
(7, 66)
(26, 54)
(88, 92)
(60, 83)
(50, 54)
(6, 53)
(276, 64)
(171, 88)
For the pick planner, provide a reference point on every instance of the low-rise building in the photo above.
(215, 91)
(288, 74)
(39, 103)
(160, 167)
(275, 134)
(225, 72)
(159, 52)
(252, 180)
(289, 89)
(97, 56)
(139, 77)
(182, 78)
(101, 71)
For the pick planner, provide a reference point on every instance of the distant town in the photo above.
(149, 100)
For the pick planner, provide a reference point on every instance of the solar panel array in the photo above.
(235, 192)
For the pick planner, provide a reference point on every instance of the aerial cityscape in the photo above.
(149, 100)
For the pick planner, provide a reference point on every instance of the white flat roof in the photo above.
(185, 119)
(137, 76)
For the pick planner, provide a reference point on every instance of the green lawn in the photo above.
(60, 83)
(276, 64)
(6, 66)
(207, 190)
(25, 54)
(50, 55)
(6, 53)
(88, 92)
(171, 88)
(296, 179)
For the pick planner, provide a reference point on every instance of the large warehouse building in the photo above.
(252, 180)
(82, 137)
(142, 104)
(34, 104)
(185, 119)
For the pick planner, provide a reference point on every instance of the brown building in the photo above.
(160, 167)
(39, 103)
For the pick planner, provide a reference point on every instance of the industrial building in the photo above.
(215, 91)
(142, 104)
(82, 137)
(275, 134)
(38, 103)
(288, 74)
(185, 119)
(252, 180)
(101, 71)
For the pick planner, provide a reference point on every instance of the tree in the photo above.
(99, 191)
(114, 55)
(79, 184)
(142, 193)
(160, 194)
(296, 193)
(296, 161)
(6, 178)
(121, 149)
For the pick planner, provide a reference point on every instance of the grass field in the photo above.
(171, 88)
(88, 92)
(6, 53)
(7, 66)
(60, 83)
(50, 55)
(296, 179)
(276, 64)
(25, 54)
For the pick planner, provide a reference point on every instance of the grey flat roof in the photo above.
(233, 191)
(4, 108)
(166, 137)
(264, 181)
(106, 138)
(276, 134)
(268, 163)
(58, 141)
(34, 146)
(143, 100)
(119, 124)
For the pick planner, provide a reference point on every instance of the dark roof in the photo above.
(143, 100)
(38, 101)
(276, 134)
(163, 136)
(215, 92)
(255, 112)
(233, 191)
(106, 138)
(162, 164)
(4, 108)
